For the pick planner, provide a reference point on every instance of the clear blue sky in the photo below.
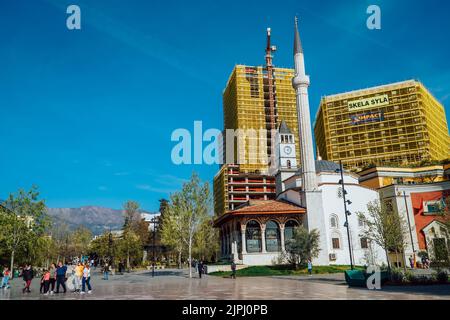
(87, 115)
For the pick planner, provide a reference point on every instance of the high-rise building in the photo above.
(257, 99)
(393, 124)
(246, 106)
(233, 188)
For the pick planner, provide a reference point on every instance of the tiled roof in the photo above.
(268, 206)
(262, 207)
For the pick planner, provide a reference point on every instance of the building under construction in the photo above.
(255, 98)
(394, 124)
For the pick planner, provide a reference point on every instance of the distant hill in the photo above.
(97, 219)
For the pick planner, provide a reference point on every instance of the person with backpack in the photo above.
(27, 276)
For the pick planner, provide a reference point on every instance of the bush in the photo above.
(411, 277)
(442, 276)
(397, 276)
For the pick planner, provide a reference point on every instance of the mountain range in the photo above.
(96, 219)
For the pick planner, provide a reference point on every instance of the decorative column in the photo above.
(263, 238)
(243, 242)
(283, 247)
(227, 241)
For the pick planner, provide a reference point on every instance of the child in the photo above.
(310, 267)
(41, 288)
(46, 278)
(6, 275)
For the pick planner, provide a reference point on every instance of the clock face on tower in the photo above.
(287, 150)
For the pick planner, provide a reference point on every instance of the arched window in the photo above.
(289, 230)
(273, 242)
(334, 222)
(253, 236)
(282, 138)
(289, 164)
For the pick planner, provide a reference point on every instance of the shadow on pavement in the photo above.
(159, 273)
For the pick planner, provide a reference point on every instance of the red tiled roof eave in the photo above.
(266, 207)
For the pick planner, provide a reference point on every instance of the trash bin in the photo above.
(355, 278)
(358, 278)
(16, 274)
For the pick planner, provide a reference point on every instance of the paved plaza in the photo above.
(175, 284)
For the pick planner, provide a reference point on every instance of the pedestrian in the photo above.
(78, 276)
(233, 270)
(41, 287)
(86, 279)
(27, 276)
(310, 267)
(5, 279)
(61, 271)
(427, 263)
(411, 262)
(46, 278)
(200, 268)
(52, 271)
(105, 271)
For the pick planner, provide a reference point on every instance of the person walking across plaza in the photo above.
(52, 271)
(105, 271)
(200, 268)
(78, 276)
(5, 279)
(411, 262)
(310, 267)
(61, 271)
(86, 279)
(41, 287)
(233, 270)
(46, 281)
(27, 276)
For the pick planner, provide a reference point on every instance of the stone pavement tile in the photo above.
(175, 285)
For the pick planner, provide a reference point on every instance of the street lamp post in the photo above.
(155, 222)
(346, 212)
(110, 242)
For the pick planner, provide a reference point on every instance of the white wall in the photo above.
(360, 197)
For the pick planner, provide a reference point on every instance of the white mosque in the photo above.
(309, 193)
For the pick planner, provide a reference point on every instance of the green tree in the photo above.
(79, 241)
(185, 216)
(129, 248)
(304, 245)
(134, 221)
(385, 227)
(206, 244)
(100, 246)
(23, 220)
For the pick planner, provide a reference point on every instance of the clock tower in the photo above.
(285, 156)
